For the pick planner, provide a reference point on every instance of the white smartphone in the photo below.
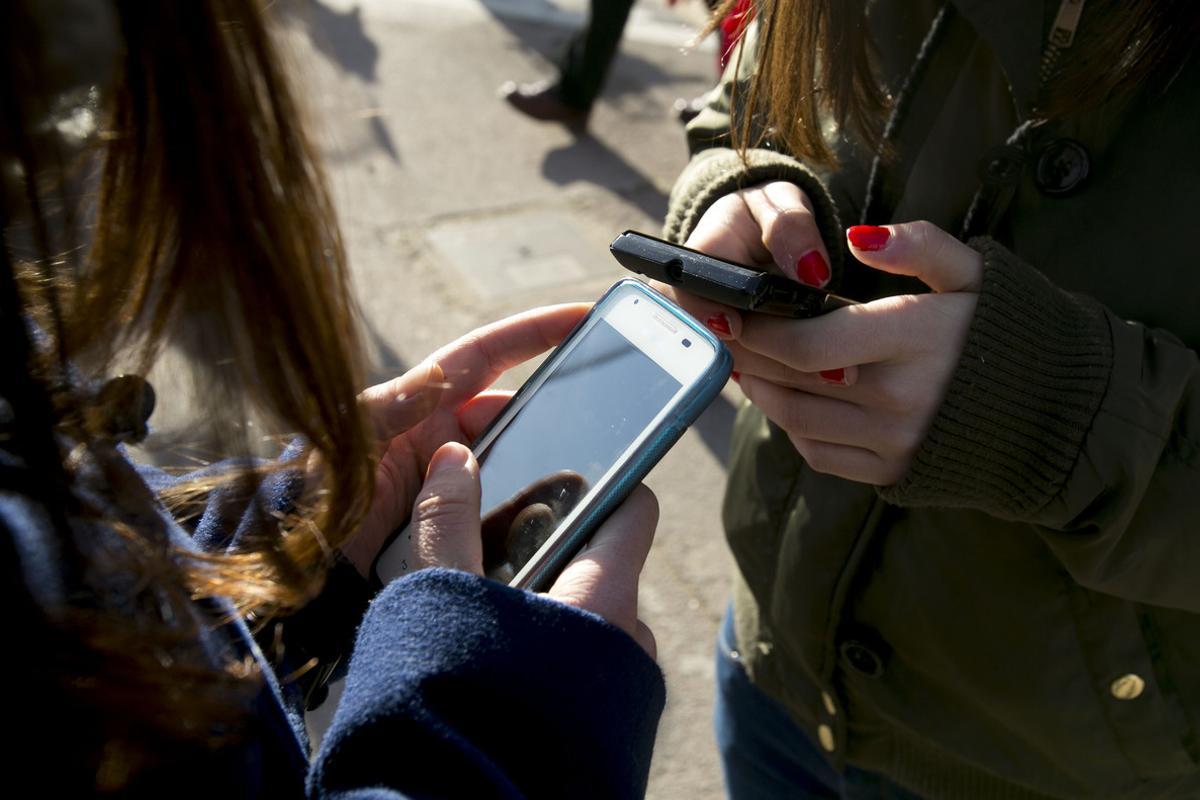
(584, 430)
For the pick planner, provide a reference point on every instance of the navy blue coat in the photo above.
(457, 687)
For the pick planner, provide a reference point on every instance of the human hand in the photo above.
(770, 227)
(443, 400)
(602, 578)
(867, 426)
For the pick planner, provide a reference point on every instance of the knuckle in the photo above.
(439, 506)
(813, 454)
(814, 351)
(928, 238)
(793, 420)
(786, 226)
(895, 395)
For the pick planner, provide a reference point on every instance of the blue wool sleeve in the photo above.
(462, 687)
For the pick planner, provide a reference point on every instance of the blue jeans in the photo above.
(767, 756)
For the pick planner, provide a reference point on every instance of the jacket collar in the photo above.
(1015, 30)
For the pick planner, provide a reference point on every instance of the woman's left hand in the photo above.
(856, 390)
(443, 400)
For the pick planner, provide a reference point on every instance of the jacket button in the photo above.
(1062, 167)
(825, 737)
(827, 700)
(1128, 687)
(1002, 166)
(861, 658)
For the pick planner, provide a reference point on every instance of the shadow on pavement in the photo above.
(339, 37)
(588, 159)
(343, 41)
(715, 427)
(385, 362)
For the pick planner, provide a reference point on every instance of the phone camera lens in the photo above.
(687, 342)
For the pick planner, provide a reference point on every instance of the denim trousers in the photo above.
(765, 755)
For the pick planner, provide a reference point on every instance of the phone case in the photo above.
(544, 568)
(723, 281)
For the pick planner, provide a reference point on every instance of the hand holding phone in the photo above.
(734, 285)
(605, 405)
(445, 532)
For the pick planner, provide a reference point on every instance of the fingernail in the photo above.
(448, 459)
(833, 375)
(868, 237)
(719, 325)
(812, 270)
(737, 376)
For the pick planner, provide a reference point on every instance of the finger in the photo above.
(729, 230)
(445, 518)
(480, 410)
(401, 403)
(789, 231)
(623, 541)
(809, 416)
(920, 249)
(724, 321)
(830, 382)
(603, 578)
(851, 463)
(645, 637)
(858, 334)
(475, 361)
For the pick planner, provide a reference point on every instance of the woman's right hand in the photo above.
(602, 579)
(770, 226)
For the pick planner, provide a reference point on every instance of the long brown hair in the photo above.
(815, 63)
(211, 228)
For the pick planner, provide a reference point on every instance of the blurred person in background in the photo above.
(587, 58)
(135, 595)
(963, 511)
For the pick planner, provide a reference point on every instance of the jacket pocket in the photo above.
(1133, 685)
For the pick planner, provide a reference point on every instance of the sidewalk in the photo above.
(457, 211)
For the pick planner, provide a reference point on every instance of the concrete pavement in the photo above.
(457, 211)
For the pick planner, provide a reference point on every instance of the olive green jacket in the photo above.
(1020, 615)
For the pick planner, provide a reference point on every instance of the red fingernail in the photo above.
(811, 269)
(719, 325)
(737, 376)
(868, 237)
(833, 375)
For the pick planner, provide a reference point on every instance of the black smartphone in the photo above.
(725, 282)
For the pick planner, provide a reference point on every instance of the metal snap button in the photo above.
(825, 737)
(1002, 166)
(1062, 167)
(861, 658)
(1128, 687)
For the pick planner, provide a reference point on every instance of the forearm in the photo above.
(1063, 416)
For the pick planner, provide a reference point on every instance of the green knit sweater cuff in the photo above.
(712, 174)
(1033, 372)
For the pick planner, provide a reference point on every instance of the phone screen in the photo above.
(573, 429)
